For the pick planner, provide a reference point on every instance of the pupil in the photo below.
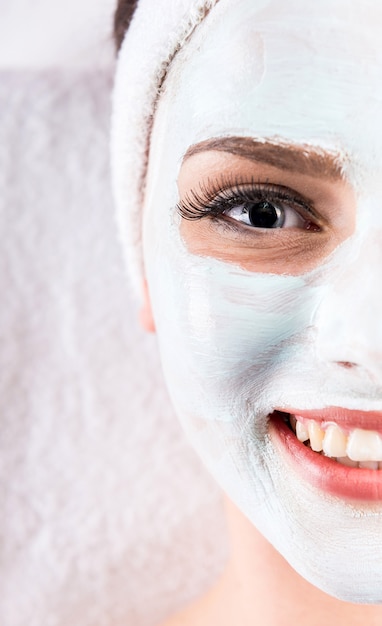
(264, 215)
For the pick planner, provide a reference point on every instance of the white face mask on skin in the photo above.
(239, 342)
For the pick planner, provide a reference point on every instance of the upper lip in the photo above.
(345, 418)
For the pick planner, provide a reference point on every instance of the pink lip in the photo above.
(345, 418)
(323, 472)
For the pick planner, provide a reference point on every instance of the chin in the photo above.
(322, 516)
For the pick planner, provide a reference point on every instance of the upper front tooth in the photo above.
(301, 432)
(316, 436)
(364, 445)
(335, 441)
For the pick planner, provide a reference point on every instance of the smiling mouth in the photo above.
(356, 447)
(332, 454)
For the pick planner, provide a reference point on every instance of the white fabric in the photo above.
(153, 39)
(107, 517)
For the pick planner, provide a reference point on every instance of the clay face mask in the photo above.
(265, 293)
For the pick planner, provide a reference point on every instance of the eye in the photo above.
(266, 214)
(255, 205)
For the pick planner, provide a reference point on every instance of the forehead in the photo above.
(303, 71)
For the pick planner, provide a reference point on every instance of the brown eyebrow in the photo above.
(303, 159)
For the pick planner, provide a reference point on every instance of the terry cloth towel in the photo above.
(152, 41)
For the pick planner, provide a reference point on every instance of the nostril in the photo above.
(347, 364)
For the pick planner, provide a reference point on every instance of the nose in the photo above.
(349, 318)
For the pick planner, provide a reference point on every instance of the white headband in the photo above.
(154, 37)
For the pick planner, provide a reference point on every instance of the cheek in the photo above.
(225, 333)
(277, 252)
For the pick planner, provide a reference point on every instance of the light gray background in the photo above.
(107, 517)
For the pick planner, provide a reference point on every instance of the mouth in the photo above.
(333, 450)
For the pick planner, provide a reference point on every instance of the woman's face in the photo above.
(263, 248)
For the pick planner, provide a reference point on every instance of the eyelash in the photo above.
(213, 199)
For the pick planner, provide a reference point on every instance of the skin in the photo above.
(296, 249)
(258, 587)
(262, 320)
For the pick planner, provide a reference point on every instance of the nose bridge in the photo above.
(349, 318)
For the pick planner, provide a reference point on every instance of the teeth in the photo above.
(359, 448)
(335, 441)
(302, 432)
(316, 436)
(364, 445)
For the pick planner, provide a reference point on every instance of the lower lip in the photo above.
(323, 472)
